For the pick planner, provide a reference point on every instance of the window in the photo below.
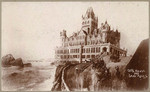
(86, 50)
(105, 49)
(93, 56)
(83, 50)
(83, 56)
(96, 49)
(88, 56)
(61, 56)
(93, 50)
(74, 56)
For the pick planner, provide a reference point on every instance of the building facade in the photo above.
(89, 41)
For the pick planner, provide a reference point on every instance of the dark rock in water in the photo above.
(53, 63)
(27, 65)
(17, 62)
(9, 60)
(136, 75)
(6, 60)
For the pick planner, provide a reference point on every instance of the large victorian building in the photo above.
(89, 41)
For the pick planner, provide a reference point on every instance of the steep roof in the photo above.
(89, 13)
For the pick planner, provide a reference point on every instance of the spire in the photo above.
(90, 13)
(106, 21)
(82, 17)
(117, 30)
(90, 9)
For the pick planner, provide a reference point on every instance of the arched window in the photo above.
(105, 49)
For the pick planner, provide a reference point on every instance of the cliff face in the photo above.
(136, 74)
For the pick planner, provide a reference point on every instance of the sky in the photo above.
(31, 30)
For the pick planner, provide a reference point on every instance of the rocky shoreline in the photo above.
(15, 78)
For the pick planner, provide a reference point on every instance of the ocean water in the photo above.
(38, 77)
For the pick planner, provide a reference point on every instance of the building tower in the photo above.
(89, 21)
(104, 29)
(63, 37)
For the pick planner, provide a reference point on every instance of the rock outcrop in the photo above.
(136, 74)
(17, 62)
(27, 65)
(9, 60)
(6, 60)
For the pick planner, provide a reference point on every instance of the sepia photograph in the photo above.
(75, 46)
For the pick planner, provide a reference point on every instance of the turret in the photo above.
(89, 21)
(117, 38)
(63, 37)
(107, 27)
